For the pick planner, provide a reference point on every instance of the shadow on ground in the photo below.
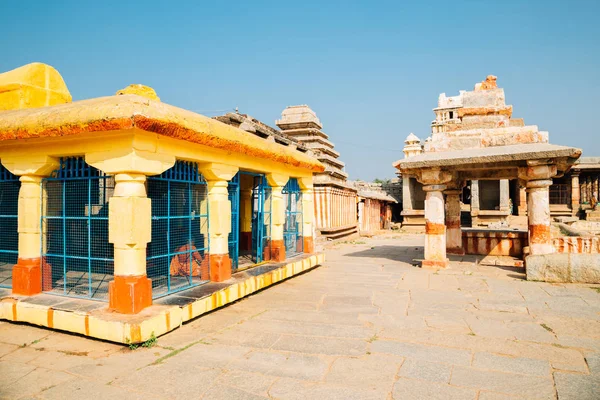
(405, 254)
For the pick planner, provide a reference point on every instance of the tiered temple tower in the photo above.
(335, 200)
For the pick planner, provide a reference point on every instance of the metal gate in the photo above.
(234, 235)
(77, 260)
(292, 227)
(261, 219)
(9, 210)
(177, 256)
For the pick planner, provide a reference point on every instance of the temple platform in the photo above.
(94, 319)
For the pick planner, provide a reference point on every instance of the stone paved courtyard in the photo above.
(366, 325)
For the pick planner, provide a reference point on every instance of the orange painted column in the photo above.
(453, 231)
(219, 218)
(27, 273)
(308, 243)
(539, 179)
(129, 230)
(277, 245)
(434, 183)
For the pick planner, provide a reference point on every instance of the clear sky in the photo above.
(372, 70)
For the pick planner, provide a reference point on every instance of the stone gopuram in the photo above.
(335, 199)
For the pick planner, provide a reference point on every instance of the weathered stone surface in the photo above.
(422, 352)
(371, 371)
(429, 371)
(414, 389)
(576, 386)
(292, 389)
(517, 365)
(532, 387)
(564, 267)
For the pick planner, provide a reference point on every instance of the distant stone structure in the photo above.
(374, 207)
(335, 200)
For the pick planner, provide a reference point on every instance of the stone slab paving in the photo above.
(367, 324)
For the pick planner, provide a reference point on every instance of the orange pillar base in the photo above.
(130, 294)
(434, 264)
(27, 277)
(277, 250)
(220, 267)
(309, 245)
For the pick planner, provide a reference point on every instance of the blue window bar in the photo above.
(177, 257)
(9, 209)
(234, 235)
(77, 259)
(292, 227)
(261, 219)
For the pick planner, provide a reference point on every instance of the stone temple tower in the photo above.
(412, 146)
(335, 199)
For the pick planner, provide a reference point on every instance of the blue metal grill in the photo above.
(261, 219)
(9, 209)
(234, 235)
(292, 227)
(77, 258)
(177, 257)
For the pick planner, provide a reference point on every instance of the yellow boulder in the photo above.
(32, 85)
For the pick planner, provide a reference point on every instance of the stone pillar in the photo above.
(434, 182)
(306, 185)
(406, 194)
(277, 245)
(246, 183)
(453, 231)
(504, 195)
(595, 187)
(475, 202)
(539, 180)
(129, 230)
(219, 218)
(27, 273)
(575, 195)
(130, 223)
(522, 201)
(588, 189)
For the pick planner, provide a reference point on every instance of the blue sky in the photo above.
(372, 70)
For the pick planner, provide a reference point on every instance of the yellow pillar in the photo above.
(130, 223)
(308, 214)
(219, 218)
(27, 273)
(277, 245)
(246, 183)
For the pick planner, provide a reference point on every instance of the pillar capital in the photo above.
(537, 172)
(275, 180)
(30, 165)
(122, 161)
(306, 183)
(435, 176)
(539, 184)
(218, 172)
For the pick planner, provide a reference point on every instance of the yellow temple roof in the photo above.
(130, 112)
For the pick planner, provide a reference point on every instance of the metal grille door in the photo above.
(177, 257)
(9, 210)
(77, 258)
(292, 227)
(261, 219)
(234, 235)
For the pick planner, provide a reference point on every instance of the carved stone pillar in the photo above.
(539, 179)
(575, 195)
(453, 231)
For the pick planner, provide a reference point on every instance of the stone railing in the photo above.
(494, 243)
(575, 244)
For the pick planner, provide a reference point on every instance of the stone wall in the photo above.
(579, 245)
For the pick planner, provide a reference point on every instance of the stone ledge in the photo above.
(563, 268)
(93, 319)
